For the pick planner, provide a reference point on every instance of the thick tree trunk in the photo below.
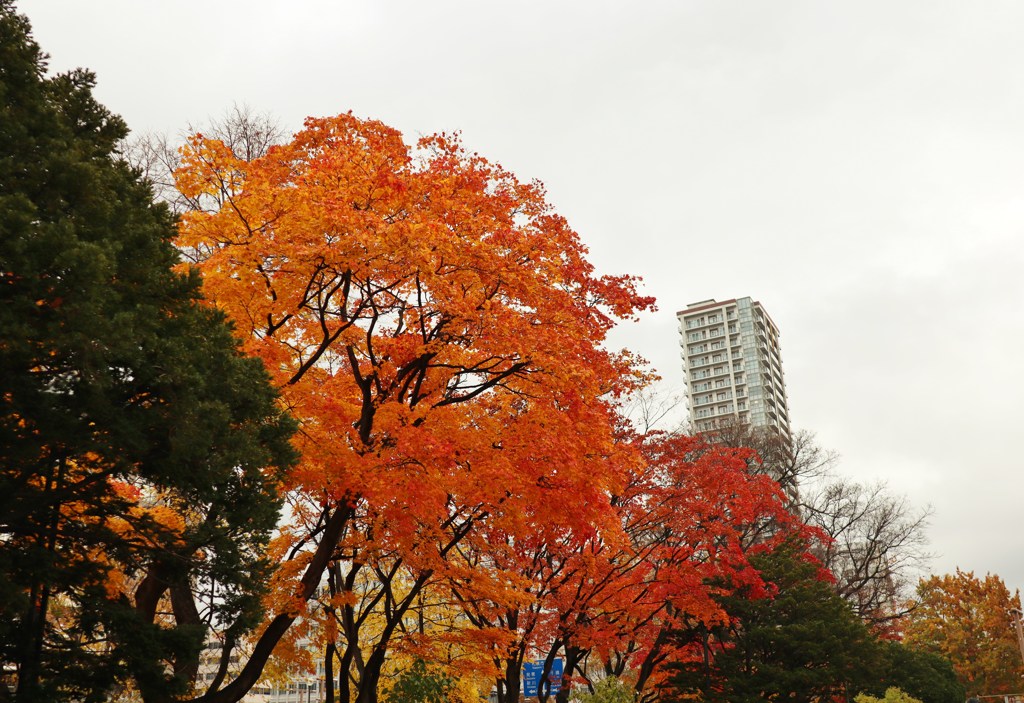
(509, 688)
(544, 682)
(34, 626)
(183, 605)
(345, 665)
(573, 657)
(329, 655)
(370, 679)
(650, 662)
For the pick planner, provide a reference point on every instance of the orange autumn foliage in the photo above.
(435, 327)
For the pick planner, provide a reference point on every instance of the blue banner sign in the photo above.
(532, 672)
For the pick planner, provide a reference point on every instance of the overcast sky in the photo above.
(858, 167)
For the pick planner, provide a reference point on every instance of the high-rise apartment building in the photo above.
(733, 366)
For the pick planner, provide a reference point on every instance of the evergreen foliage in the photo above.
(802, 644)
(140, 453)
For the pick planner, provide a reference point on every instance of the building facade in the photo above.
(732, 365)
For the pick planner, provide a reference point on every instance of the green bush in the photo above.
(608, 690)
(892, 695)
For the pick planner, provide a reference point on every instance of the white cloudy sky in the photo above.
(856, 166)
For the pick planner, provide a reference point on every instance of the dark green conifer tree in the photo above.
(803, 644)
(119, 391)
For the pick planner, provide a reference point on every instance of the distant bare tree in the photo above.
(878, 545)
(648, 410)
(248, 134)
(155, 157)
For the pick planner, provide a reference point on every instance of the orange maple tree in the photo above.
(435, 327)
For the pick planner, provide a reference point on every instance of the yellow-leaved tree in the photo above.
(966, 619)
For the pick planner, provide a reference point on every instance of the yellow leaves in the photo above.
(964, 617)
